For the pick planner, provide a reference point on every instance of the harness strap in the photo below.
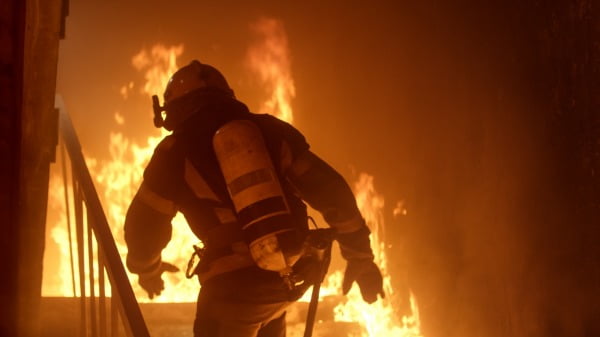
(225, 264)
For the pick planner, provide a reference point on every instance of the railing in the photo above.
(100, 315)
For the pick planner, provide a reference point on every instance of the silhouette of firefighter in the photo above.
(241, 180)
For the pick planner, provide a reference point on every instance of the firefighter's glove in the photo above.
(152, 281)
(366, 273)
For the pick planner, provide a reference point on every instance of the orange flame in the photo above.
(59, 283)
(117, 180)
(270, 59)
(379, 318)
(159, 64)
(63, 281)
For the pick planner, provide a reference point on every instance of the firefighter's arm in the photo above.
(325, 190)
(147, 232)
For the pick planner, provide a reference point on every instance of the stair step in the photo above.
(60, 318)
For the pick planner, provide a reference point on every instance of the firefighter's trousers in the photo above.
(249, 302)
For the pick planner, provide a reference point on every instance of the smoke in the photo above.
(479, 117)
(496, 226)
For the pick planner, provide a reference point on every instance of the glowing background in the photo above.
(439, 101)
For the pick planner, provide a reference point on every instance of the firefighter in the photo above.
(241, 180)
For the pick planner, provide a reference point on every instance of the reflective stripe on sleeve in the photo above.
(155, 201)
(197, 184)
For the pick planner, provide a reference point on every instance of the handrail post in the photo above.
(80, 253)
(131, 314)
(68, 212)
(92, 277)
(101, 295)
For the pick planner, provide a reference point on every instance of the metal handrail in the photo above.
(108, 254)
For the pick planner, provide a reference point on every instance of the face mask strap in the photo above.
(158, 109)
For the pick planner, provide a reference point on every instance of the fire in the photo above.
(118, 178)
(159, 64)
(62, 285)
(63, 281)
(270, 60)
(379, 318)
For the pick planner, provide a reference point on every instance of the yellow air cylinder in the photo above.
(256, 193)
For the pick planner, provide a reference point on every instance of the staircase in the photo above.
(92, 313)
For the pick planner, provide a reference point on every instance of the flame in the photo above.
(118, 178)
(62, 283)
(64, 280)
(270, 60)
(379, 318)
(159, 64)
(117, 181)
(400, 209)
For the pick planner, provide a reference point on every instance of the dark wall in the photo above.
(503, 235)
(28, 121)
(12, 19)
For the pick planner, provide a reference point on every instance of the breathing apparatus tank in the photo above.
(258, 198)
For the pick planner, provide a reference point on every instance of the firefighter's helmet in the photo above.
(185, 90)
